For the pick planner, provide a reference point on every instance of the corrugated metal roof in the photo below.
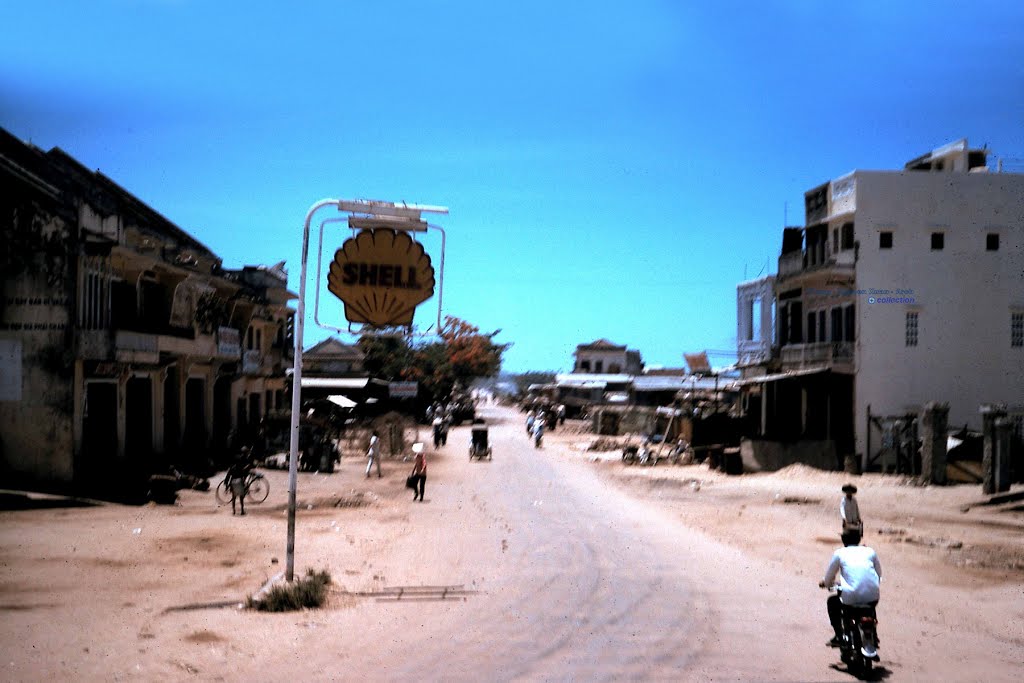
(660, 383)
(580, 378)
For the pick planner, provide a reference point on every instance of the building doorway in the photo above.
(98, 456)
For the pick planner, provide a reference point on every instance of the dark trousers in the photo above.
(420, 484)
(835, 612)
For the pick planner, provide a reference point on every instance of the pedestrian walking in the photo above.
(849, 511)
(419, 472)
(373, 454)
(529, 422)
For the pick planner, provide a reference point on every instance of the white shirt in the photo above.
(849, 511)
(859, 574)
(374, 448)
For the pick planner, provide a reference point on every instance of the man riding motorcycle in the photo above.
(859, 576)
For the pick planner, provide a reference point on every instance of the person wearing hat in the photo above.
(849, 512)
(419, 472)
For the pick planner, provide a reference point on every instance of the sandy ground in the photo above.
(139, 593)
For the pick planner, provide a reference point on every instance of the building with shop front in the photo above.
(125, 345)
(903, 287)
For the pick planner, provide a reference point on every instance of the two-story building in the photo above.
(125, 345)
(903, 287)
(603, 357)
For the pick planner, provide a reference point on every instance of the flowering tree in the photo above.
(442, 367)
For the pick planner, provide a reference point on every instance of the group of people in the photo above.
(535, 426)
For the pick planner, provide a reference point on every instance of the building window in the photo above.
(254, 339)
(847, 236)
(585, 365)
(837, 324)
(911, 331)
(848, 323)
(885, 240)
(992, 241)
(938, 241)
(598, 366)
(810, 328)
(1017, 330)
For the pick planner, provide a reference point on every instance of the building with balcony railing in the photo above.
(902, 287)
(125, 345)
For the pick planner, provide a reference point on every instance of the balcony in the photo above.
(796, 263)
(835, 355)
(139, 347)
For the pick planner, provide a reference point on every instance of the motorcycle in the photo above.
(858, 647)
(642, 455)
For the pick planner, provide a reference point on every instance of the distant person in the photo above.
(849, 511)
(859, 576)
(373, 454)
(235, 478)
(538, 432)
(560, 411)
(529, 422)
(419, 472)
(438, 426)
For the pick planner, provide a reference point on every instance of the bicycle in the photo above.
(257, 488)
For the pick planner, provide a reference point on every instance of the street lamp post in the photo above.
(363, 214)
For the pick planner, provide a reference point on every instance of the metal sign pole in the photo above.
(371, 214)
(293, 451)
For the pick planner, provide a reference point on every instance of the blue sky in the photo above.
(611, 169)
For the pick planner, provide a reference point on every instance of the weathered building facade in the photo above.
(903, 287)
(125, 346)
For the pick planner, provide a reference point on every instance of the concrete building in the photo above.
(125, 345)
(903, 287)
(603, 357)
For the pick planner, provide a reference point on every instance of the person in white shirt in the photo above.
(373, 454)
(849, 512)
(859, 573)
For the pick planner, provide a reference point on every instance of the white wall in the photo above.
(963, 294)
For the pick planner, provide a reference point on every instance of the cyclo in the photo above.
(478, 446)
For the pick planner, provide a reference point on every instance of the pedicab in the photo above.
(478, 446)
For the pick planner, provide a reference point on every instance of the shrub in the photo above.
(309, 591)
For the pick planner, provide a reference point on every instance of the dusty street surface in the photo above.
(576, 567)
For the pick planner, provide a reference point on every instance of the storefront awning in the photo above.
(342, 401)
(781, 375)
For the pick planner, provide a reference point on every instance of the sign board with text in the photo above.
(403, 389)
(381, 276)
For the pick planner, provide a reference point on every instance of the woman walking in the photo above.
(419, 472)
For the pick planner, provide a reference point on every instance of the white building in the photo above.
(903, 287)
(604, 357)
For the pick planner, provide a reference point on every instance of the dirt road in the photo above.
(570, 567)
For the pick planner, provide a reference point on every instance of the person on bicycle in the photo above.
(235, 478)
(859, 574)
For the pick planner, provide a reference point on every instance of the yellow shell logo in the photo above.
(381, 276)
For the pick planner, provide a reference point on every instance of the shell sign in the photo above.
(381, 276)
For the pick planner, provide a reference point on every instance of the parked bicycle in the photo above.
(257, 488)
